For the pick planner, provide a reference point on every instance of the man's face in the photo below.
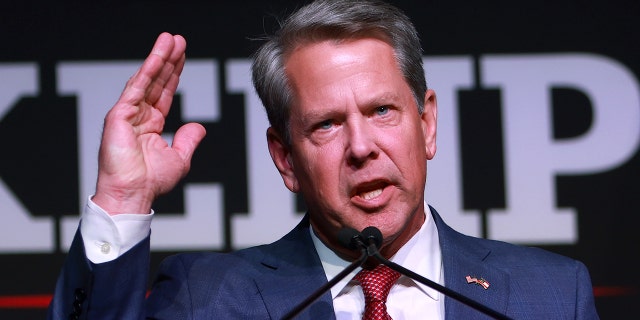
(358, 145)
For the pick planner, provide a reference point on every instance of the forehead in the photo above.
(331, 69)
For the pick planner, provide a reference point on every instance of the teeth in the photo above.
(371, 194)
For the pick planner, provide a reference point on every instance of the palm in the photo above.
(136, 164)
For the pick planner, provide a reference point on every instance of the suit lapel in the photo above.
(291, 271)
(462, 258)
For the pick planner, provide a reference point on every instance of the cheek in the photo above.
(407, 153)
(405, 141)
(320, 165)
(417, 143)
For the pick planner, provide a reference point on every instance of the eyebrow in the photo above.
(313, 116)
(387, 98)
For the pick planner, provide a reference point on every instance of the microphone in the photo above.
(373, 237)
(349, 238)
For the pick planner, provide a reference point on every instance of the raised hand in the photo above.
(135, 164)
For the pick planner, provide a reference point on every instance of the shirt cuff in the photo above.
(108, 237)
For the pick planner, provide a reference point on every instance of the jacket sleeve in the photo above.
(585, 306)
(110, 290)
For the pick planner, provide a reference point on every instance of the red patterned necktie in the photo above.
(376, 285)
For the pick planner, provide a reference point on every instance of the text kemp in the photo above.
(532, 157)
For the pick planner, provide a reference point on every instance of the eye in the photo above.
(382, 110)
(326, 124)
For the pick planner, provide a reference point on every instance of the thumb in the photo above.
(186, 140)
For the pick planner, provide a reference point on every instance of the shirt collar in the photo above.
(421, 254)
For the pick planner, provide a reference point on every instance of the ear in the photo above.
(429, 122)
(281, 156)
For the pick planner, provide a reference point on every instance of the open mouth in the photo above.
(371, 194)
(371, 190)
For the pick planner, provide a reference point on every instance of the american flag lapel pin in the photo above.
(481, 282)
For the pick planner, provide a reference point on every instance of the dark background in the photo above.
(39, 157)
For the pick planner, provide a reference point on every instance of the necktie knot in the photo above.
(376, 285)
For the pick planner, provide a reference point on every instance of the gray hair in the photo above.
(337, 20)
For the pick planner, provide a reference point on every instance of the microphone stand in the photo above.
(375, 238)
(327, 286)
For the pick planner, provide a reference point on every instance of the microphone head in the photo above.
(372, 233)
(348, 238)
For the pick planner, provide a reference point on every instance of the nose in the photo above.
(361, 145)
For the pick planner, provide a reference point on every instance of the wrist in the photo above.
(119, 202)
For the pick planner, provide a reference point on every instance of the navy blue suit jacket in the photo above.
(266, 282)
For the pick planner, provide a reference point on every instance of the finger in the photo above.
(179, 47)
(160, 53)
(186, 140)
(162, 89)
(142, 82)
(166, 48)
(165, 97)
(178, 59)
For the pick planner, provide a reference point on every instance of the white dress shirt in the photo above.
(408, 299)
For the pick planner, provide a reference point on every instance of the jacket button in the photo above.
(80, 295)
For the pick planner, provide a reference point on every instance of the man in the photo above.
(352, 126)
